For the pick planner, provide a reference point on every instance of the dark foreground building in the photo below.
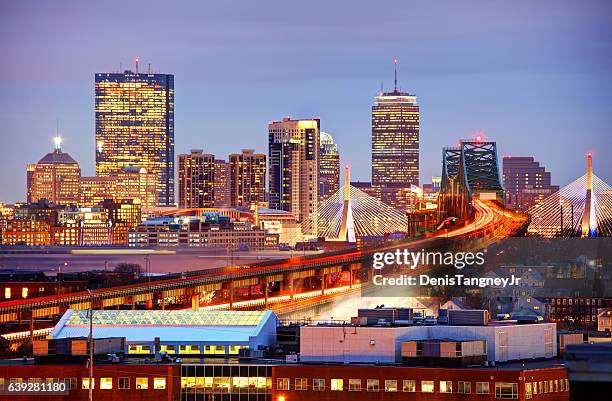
(264, 380)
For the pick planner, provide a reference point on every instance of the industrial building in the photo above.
(356, 344)
(182, 332)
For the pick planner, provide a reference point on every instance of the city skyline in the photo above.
(496, 84)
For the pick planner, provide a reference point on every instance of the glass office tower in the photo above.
(135, 126)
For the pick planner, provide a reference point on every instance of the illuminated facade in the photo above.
(247, 178)
(527, 183)
(137, 183)
(55, 177)
(222, 186)
(93, 190)
(395, 139)
(135, 126)
(293, 148)
(196, 178)
(130, 183)
(93, 224)
(329, 167)
(123, 216)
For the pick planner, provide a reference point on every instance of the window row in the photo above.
(374, 385)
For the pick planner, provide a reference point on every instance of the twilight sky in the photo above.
(534, 76)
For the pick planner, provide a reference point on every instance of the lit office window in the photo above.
(391, 386)
(282, 384)
(373, 385)
(24, 292)
(427, 386)
(142, 383)
(159, 383)
(318, 384)
(354, 384)
(528, 391)
(409, 386)
(106, 383)
(7, 292)
(337, 384)
(446, 386)
(85, 383)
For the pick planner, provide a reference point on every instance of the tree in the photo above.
(24, 349)
(5, 348)
(128, 268)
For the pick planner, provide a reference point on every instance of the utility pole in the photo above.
(90, 345)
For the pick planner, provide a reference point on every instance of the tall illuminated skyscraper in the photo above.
(55, 177)
(395, 139)
(329, 166)
(293, 147)
(221, 187)
(135, 126)
(196, 179)
(247, 178)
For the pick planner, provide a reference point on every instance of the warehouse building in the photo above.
(177, 332)
(383, 344)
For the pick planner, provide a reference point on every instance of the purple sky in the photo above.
(534, 76)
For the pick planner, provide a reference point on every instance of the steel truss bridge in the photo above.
(469, 171)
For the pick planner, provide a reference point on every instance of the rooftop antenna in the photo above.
(137, 61)
(395, 61)
(149, 69)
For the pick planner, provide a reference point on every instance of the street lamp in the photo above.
(90, 345)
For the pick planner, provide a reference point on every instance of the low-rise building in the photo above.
(604, 320)
(354, 344)
(182, 332)
(211, 230)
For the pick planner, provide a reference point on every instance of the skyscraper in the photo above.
(329, 166)
(395, 139)
(221, 186)
(196, 179)
(247, 178)
(55, 177)
(293, 147)
(135, 126)
(526, 182)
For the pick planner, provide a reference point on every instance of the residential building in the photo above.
(526, 183)
(293, 147)
(222, 184)
(604, 319)
(247, 178)
(196, 179)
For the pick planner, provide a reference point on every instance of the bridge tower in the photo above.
(589, 225)
(469, 170)
(347, 224)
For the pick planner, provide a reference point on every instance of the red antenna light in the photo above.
(478, 138)
(589, 154)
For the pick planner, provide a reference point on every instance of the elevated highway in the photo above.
(490, 221)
